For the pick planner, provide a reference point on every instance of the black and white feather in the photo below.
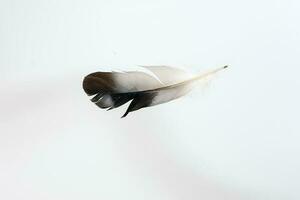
(163, 84)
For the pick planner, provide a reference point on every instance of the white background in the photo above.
(237, 140)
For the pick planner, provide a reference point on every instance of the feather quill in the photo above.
(113, 89)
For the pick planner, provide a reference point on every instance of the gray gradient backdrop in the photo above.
(237, 140)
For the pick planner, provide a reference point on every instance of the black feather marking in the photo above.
(111, 101)
(98, 82)
(120, 99)
(140, 100)
(106, 88)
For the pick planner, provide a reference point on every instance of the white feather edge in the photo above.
(149, 77)
(172, 92)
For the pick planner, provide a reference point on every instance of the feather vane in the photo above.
(114, 89)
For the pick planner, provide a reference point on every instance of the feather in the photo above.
(113, 89)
